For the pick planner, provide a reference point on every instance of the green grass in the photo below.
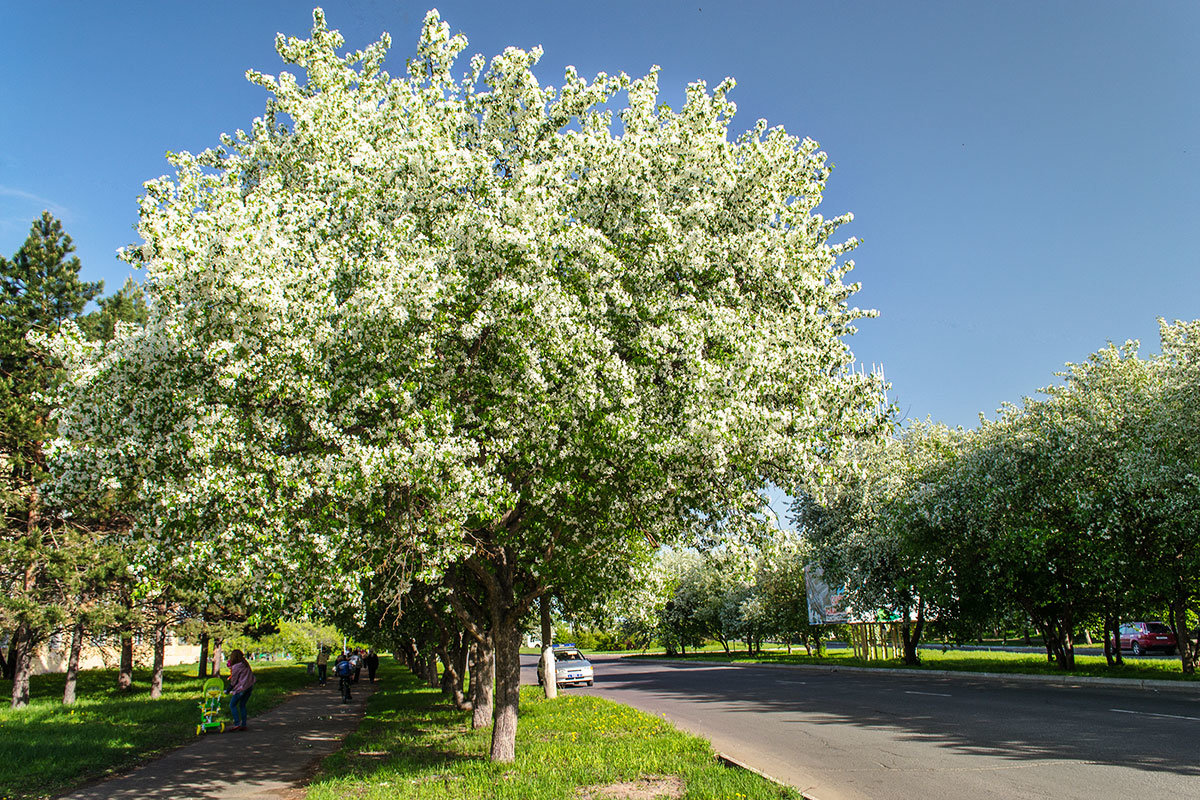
(968, 661)
(47, 747)
(413, 744)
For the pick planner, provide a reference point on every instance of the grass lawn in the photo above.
(48, 748)
(413, 744)
(968, 661)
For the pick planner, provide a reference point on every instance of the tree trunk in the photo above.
(1060, 643)
(1189, 651)
(483, 676)
(431, 669)
(911, 634)
(22, 665)
(1112, 641)
(472, 674)
(10, 658)
(73, 664)
(125, 675)
(508, 687)
(409, 651)
(460, 668)
(452, 676)
(160, 653)
(202, 669)
(216, 656)
(549, 674)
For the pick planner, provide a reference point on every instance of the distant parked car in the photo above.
(569, 666)
(1142, 637)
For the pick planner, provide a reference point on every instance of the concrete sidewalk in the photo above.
(279, 750)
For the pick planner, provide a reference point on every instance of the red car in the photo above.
(1142, 637)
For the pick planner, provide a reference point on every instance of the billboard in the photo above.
(825, 605)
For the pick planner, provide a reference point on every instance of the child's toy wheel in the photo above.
(199, 729)
(222, 727)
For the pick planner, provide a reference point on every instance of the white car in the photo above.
(570, 667)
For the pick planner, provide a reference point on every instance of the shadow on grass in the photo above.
(407, 728)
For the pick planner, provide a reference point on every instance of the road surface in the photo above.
(864, 736)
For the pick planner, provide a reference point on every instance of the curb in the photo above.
(730, 761)
(1066, 681)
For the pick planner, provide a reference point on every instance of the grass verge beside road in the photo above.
(963, 661)
(48, 748)
(413, 744)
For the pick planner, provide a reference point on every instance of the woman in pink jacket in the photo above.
(241, 684)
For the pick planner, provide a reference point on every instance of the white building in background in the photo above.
(104, 651)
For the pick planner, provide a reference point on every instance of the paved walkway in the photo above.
(278, 751)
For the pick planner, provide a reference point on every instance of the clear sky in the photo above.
(1024, 175)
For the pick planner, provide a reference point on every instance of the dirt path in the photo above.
(274, 755)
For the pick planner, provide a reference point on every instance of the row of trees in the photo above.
(424, 350)
(1077, 508)
(747, 591)
(72, 573)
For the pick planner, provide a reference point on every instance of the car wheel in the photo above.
(589, 683)
(1137, 648)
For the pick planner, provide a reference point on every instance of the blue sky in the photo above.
(1024, 175)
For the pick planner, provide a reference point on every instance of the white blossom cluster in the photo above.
(397, 311)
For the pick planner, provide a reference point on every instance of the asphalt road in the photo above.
(864, 736)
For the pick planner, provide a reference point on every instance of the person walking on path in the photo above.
(322, 663)
(372, 662)
(344, 671)
(241, 684)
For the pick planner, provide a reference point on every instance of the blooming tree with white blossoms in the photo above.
(435, 322)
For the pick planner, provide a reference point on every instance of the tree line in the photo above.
(71, 573)
(1077, 509)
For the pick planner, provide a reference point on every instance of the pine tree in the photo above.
(40, 289)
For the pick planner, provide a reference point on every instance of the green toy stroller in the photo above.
(210, 706)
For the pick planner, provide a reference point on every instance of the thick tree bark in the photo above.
(472, 673)
(217, 659)
(125, 674)
(23, 641)
(483, 677)
(910, 632)
(1112, 641)
(459, 654)
(508, 689)
(10, 658)
(73, 664)
(160, 652)
(1189, 649)
(452, 676)
(431, 669)
(408, 650)
(1060, 642)
(202, 669)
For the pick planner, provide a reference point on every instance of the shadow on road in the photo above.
(989, 718)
